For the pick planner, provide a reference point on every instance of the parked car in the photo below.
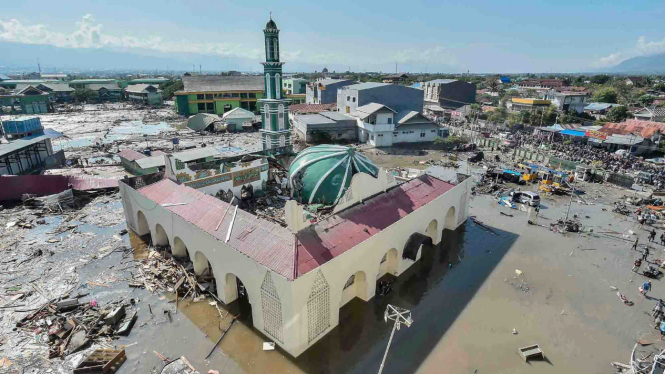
(526, 197)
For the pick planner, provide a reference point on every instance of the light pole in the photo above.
(399, 315)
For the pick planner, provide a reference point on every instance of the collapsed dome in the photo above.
(321, 174)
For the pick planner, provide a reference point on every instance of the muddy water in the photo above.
(436, 289)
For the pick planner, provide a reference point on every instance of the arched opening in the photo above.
(414, 244)
(142, 225)
(355, 286)
(432, 231)
(201, 264)
(388, 264)
(236, 293)
(179, 248)
(160, 236)
(387, 273)
(451, 221)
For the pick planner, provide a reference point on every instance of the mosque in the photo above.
(296, 278)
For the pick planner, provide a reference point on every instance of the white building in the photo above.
(567, 101)
(298, 277)
(381, 126)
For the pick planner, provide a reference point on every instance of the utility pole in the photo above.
(399, 315)
(200, 71)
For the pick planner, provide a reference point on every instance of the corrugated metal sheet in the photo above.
(335, 235)
(13, 187)
(265, 242)
(131, 155)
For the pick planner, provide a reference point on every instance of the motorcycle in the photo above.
(652, 272)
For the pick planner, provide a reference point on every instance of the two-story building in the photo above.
(381, 126)
(218, 94)
(144, 93)
(567, 101)
(324, 91)
(448, 93)
(394, 96)
(297, 86)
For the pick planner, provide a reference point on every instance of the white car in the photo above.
(526, 197)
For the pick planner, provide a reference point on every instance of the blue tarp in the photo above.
(572, 133)
(512, 172)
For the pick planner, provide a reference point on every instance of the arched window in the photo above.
(266, 116)
(267, 49)
(282, 141)
(278, 90)
(280, 116)
(268, 95)
(268, 142)
(275, 49)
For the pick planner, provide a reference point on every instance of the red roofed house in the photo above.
(641, 137)
(296, 278)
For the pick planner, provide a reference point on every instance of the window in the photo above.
(235, 94)
(226, 95)
(371, 137)
(199, 96)
(433, 131)
(422, 134)
(282, 141)
(280, 116)
(276, 48)
(278, 92)
(266, 116)
(267, 49)
(396, 133)
(268, 94)
(201, 107)
(243, 95)
(390, 120)
(208, 96)
(380, 135)
(348, 98)
(210, 107)
(252, 95)
(354, 99)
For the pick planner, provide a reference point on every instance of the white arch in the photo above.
(451, 221)
(432, 231)
(142, 224)
(389, 263)
(201, 264)
(266, 117)
(179, 248)
(160, 236)
(278, 87)
(275, 47)
(355, 286)
(280, 116)
(268, 95)
(268, 142)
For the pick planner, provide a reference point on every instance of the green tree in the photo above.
(617, 114)
(170, 87)
(606, 95)
(84, 95)
(645, 100)
(600, 79)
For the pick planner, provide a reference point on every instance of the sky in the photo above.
(480, 36)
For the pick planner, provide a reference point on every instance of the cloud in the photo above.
(89, 34)
(641, 48)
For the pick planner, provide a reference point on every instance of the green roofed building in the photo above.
(321, 174)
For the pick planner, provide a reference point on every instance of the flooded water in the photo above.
(126, 130)
(435, 289)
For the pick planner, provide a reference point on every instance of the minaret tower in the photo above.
(276, 133)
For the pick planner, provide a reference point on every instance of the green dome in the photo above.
(321, 174)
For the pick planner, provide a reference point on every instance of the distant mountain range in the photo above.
(642, 64)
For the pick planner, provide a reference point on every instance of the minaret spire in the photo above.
(276, 133)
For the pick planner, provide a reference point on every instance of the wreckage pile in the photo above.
(70, 325)
(160, 272)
